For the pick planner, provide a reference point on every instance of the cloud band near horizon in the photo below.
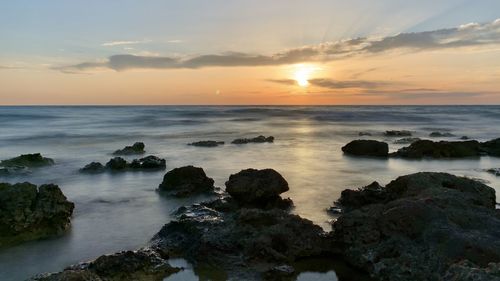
(468, 35)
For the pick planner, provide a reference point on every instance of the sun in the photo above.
(302, 74)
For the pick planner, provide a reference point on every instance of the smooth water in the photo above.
(122, 211)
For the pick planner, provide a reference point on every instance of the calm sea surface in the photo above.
(122, 211)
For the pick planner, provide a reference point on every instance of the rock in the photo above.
(406, 140)
(466, 270)
(440, 135)
(366, 148)
(246, 243)
(117, 163)
(30, 213)
(280, 273)
(149, 163)
(442, 149)
(208, 143)
(464, 137)
(144, 265)
(27, 160)
(361, 134)
(494, 171)
(419, 227)
(395, 133)
(136, 148)
(94, 167)
(256, 187)
(186, 181)
(259, 139)
(491, 147)
(13, 170)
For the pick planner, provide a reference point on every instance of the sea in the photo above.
(123, 211)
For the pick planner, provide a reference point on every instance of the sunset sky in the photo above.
(250, 52)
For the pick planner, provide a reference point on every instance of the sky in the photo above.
(152, 52)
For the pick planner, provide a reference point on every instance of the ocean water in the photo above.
(122, 211)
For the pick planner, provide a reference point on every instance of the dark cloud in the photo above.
(337, 84)
(469, 35)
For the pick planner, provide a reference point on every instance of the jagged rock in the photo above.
(406, 140)
(144, 265)
(396, 133)
(30, 213)
(259, 139)
(257, 187)
(94, 167)
(371, 148)
(442, 149)
(419, 227)
(117, 163)
(208, 143)
(148, 163)
(491, 147)
(186, 181)
(440, 135)
(27, 160)
(136, 148)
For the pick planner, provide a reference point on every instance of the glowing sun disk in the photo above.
(302, 74)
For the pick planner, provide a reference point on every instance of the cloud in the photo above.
(119, 43)
(468, 35)
(337, 84)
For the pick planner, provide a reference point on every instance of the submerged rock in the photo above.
(119, 164)
(186, 181)
(259, 139)
(491, 147)
(27, 160)
(94, 167)
(397, 133)
(361, 134)
(144, 265)
(261, 188)
(442, 149)
(406, 140)
(13, 170)
(440, 135)
(28, 212)
(464, 138)
(420, 227)
(367, 148)
(136, 148)
(494, 171)
(208, 143)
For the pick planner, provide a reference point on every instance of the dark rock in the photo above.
(419, 227)
(13, 170)
(395, 133)
(117, 163)
(464, 137)
(94, 167)
(491, 147)
(27, 160)
(144, 265)
(148, 163)
(136, 148)
(186, 181)
(243, 242)
(442, 149)
(30, 213)
(280, 273)
(440, 135)
(494, 171)
(208, 143)
(259, 139)
(466, 270)
(406, 140)
(361, 134)
(366, 148)
(256, 187)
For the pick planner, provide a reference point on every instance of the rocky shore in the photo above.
(424, 226)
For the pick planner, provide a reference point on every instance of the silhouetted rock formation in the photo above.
(259, 139)
(406, 140)
(442, 149)
(367, 148)
(118, 164)
(396, 133)
(30, 213)
(440, 134)
(491, 147)
(186, 181)
(423, 226)
(208, 143)
(136, 148)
